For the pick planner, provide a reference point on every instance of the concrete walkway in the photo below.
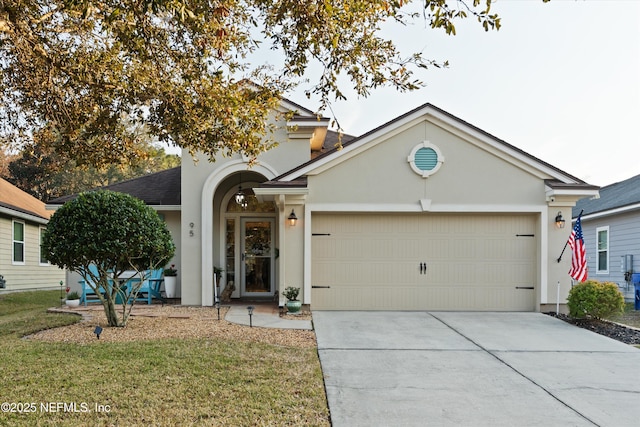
(265, 316)
(473, 369)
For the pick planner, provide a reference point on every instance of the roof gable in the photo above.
(441, 118)
(11, 197)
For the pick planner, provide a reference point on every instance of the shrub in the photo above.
(595, 299)
(114, 232)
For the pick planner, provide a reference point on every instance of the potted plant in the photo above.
(170, 274)
(73, 299)
(291, 294)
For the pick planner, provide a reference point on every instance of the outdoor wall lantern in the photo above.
(250, 310)
(293, 219)
(559, 220)
(239, 196)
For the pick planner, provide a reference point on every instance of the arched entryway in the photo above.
(218, 188)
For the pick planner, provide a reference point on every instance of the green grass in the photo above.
(22, 313)
(162, 382)
(630, 317)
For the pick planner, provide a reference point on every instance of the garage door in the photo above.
(423, 262)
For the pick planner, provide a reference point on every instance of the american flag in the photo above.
(578, 254)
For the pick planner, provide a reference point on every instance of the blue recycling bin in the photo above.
(635, 278)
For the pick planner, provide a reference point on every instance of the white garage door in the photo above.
(423, 262)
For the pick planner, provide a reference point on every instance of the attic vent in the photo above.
(425, 159)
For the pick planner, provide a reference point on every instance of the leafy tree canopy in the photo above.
(46, 174)
(90, 71)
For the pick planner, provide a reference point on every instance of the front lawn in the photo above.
(630, 317)
(160, 382)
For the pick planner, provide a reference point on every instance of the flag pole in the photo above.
(567, 242)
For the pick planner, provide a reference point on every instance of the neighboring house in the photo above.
(23, 220)
(611, 229)
(425, 212)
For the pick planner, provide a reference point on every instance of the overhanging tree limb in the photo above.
(82, 68)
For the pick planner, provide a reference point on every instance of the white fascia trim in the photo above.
(259, 191)
(418, 207)
(609, 212)
(24, 216)
(308, 123)
(155, 207)
(582, 193)
(166, 207)
(290, 106)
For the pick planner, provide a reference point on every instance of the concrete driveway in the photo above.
(473, 369)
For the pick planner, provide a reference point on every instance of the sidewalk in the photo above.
(264, 316)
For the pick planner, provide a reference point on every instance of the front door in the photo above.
(257, 256)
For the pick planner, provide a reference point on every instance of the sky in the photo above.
(559, 80)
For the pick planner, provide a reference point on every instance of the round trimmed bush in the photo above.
(595, 299)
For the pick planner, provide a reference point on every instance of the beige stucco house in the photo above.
(23, 221)
(425, 212)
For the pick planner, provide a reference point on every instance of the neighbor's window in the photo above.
(602, 236)
(18, 242)
(43, 254)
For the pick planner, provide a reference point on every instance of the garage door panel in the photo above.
(474, 262)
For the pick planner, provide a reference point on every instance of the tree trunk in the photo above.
(112, 314)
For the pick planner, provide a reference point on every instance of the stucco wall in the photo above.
(207, 177)
(469, 175)
(474, 177)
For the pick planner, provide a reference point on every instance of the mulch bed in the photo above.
(609, 329)
(166, 322)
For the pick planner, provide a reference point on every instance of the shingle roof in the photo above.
(12, 197)
(618, 195)
(156, 189)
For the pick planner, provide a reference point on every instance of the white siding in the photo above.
(33, 274)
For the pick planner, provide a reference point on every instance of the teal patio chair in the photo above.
(151, 286)
(88, 294)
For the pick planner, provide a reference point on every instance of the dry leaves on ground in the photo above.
(166, 322)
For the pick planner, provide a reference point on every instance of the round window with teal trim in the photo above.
(425, 159)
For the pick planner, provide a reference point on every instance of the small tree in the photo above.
(115, 232)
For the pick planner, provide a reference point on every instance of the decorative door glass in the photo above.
(257, 256)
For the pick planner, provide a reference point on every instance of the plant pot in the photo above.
(294, 307)
(72, 302)
(170, 286)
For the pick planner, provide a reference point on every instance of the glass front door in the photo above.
(257, 256)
